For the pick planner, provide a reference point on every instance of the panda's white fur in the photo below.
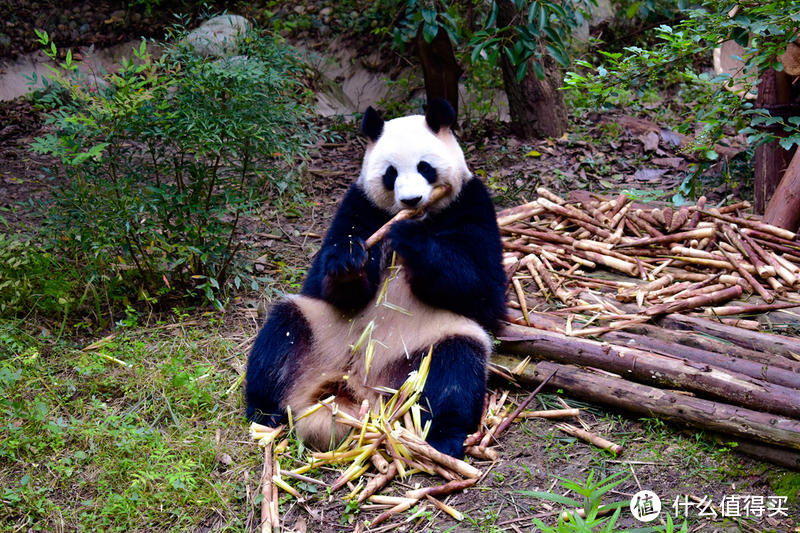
(405, 142)
(396, 334)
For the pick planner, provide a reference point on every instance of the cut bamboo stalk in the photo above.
(590, 437)
(762, 268)
(441, 490)
(381, 464)
(378, 482)
(268, 519)
(760, 226)
(611, 262)
(746, 309)
(566, 211)
(769, 258)
(693, 302)
(438, 192)
(698, 210)
(698, 233)
(546, 193)
(483, 453)
(644, 225)
(620, 202)
(550, 413)
(513, 214)
(520, 408)
(418, 446)
(445, 508)
(756, 286)
(652, 401)
(548, 280)
(708, 341)
(679, 219)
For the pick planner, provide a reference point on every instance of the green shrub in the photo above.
(32, 279)
(165, 157)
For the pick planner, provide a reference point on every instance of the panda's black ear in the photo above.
(372, 124)
(439, 113)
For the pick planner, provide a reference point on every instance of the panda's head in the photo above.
(407, 157)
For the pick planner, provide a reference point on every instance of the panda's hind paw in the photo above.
(454, 447)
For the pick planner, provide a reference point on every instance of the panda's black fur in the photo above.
(449, 279)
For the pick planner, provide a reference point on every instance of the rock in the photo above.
(218, 36)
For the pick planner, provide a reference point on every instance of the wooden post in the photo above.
(770, 159)
(783, 209)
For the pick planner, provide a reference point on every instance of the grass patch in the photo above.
(125, 437)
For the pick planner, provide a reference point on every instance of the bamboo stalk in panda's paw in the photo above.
(438, 192)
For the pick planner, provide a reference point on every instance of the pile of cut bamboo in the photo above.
(651, 285)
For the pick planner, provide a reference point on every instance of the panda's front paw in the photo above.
(346, 259)
(408, 237)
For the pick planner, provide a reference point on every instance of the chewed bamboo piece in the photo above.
(438, 192)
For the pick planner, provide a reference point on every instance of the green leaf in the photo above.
(549, 496)
(538, 69)
(429, 31)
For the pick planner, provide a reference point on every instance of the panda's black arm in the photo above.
(454, 257)
(344, 272)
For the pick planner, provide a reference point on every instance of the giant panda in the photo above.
(445, 289)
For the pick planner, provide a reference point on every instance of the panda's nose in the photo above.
(411, 202)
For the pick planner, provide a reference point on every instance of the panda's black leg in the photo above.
(454, 393)
(273, 362)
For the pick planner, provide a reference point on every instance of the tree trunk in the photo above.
(536, 106)
(783, 209)
(439, 67)
(668, 405)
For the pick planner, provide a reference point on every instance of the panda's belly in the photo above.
(398, 325)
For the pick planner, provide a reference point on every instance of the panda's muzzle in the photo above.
(411, 202)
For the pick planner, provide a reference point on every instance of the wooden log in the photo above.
(707, 343)
(771, 374)
(649, 367)
(758, 341)
(783, 209)
(668, 405)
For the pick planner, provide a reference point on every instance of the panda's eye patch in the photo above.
(389, 177)
(427, 171)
